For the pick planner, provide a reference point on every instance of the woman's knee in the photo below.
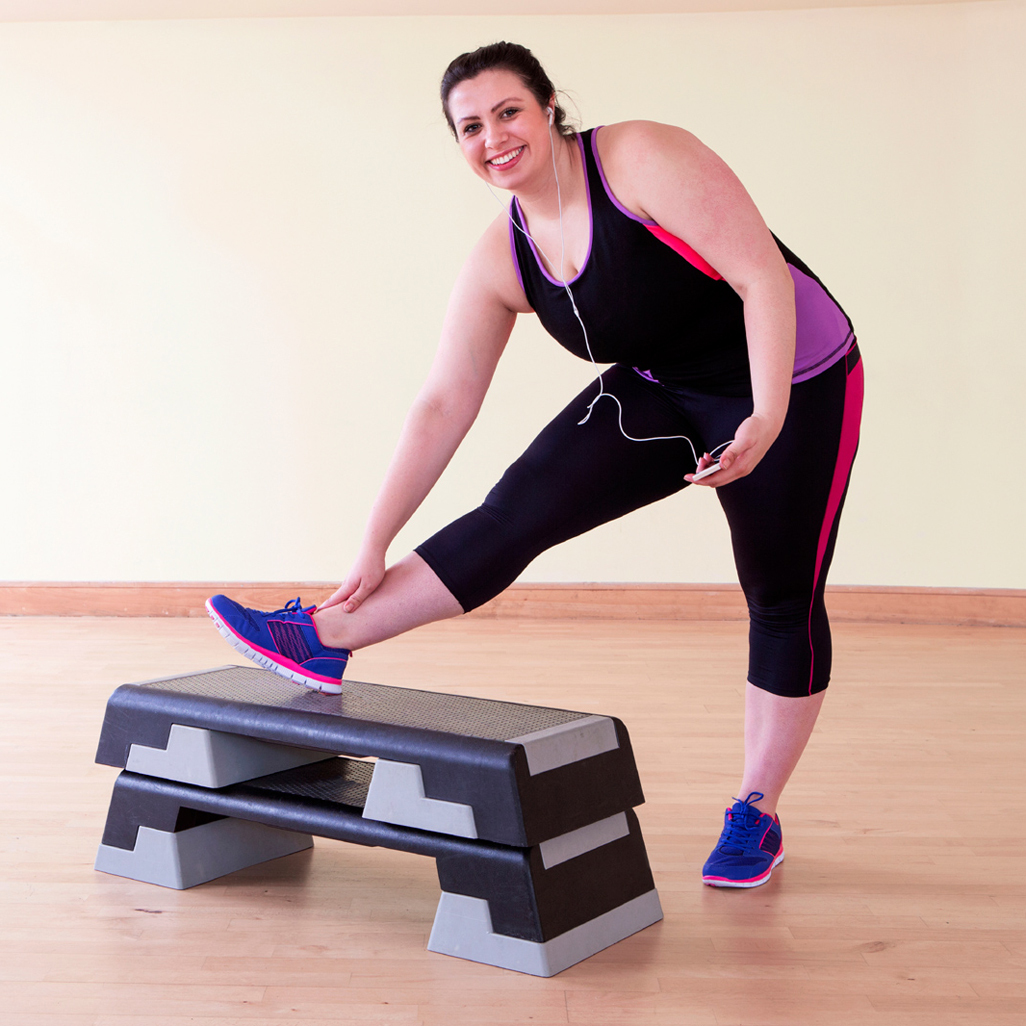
(790, 650)
(481, 553)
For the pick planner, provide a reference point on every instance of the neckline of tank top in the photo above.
(611, 196)
(591, 226)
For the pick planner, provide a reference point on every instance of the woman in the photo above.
(636, 246)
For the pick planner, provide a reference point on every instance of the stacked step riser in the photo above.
(539, 853)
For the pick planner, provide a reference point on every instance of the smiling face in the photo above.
(502, 129)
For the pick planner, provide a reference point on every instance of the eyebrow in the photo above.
(475, 117)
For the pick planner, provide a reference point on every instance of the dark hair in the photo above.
(509, 57)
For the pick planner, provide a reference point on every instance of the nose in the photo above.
(495, 133)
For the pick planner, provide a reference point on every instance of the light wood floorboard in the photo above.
(901, 902)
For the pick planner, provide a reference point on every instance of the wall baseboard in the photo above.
(992, 607)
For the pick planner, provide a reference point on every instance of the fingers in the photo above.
(340, 595)
(739, 459)
(730, 455)
(356, 599)
(364, 577)
(751, 440)
(348, 597)
(706, 466)
(732, 464)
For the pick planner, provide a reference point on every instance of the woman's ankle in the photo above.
(329, 628)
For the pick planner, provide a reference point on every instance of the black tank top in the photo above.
(651, 302)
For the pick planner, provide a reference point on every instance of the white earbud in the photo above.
(551, 114)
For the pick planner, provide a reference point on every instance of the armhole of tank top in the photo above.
(678, 245)
(607, 188)
(513, 250)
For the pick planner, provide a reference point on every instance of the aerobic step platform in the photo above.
(527, 810)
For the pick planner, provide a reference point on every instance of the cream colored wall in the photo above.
(225, 248)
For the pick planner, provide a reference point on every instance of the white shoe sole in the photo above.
(716, 882)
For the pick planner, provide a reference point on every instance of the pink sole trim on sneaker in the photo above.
(273, 661)
(753, 881)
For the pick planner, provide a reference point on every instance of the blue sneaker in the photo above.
(749, 849)
(285, 641)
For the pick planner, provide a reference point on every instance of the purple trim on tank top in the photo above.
(513, 251)
(605, 182)
(591, 231)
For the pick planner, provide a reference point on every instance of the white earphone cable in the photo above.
(573, 305)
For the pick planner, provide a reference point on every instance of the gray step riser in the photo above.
(533, 893)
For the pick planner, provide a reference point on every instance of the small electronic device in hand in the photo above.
(706, 472)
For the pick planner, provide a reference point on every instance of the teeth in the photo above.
(499, 161)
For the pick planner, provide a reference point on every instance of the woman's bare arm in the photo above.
(481, 313)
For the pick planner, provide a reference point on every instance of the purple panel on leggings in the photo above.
(823, 334)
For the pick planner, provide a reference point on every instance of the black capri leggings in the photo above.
(783, 516)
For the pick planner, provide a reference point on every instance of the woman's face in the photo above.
(502, 129)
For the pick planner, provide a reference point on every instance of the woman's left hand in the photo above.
(752, 440)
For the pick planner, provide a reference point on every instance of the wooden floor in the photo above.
(901, 900)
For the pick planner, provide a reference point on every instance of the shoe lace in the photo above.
(295, 606)
(739, 825)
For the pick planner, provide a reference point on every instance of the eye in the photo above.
(472, 127)
(510, 112)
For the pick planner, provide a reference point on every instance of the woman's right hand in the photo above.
(364, 576)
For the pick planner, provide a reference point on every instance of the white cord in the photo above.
(573, 305)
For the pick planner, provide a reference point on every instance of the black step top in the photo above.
(470, 750)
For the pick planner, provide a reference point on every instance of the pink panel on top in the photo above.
(681, 247)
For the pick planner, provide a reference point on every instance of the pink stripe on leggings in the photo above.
(849, 443)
